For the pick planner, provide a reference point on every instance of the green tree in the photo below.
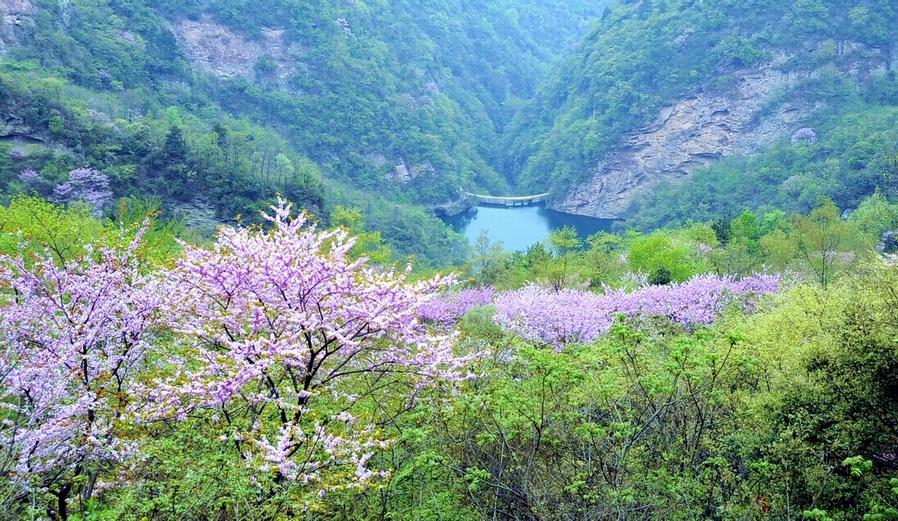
(663, 250)
(171, 166)
(603, 263)
(487, 258)
(564, 242)
(368, 244)
(875, 216)
(821, 240)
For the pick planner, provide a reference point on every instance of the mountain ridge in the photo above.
(396, 99)
(578, 136)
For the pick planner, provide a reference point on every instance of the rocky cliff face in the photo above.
(16, 7)
(227, 54)
(703, 127)
(15, 21)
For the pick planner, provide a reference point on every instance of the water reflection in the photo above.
(520, 227)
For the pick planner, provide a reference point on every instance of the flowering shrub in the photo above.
(448, 308)
(283, 334)
(72, 339)
(29, 177)
(555, 317)
(87, 185)
(570, 316)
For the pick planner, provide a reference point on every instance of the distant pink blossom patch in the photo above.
(804, 135)
(29, 177)
(448, 308)
(571, 316)
(86, 185)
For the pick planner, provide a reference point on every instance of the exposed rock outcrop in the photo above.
(227, 54)
(15, 22)
(13, 128)
(699, 129)
(17, 7)
(198, 214)
(690, 133)
(403, 174)
(454, 208)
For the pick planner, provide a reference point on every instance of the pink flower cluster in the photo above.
(29, 177)
(804, 135)
(87, 185)
(72, 339)
(570, 316)
(272, 330)
(448, 308)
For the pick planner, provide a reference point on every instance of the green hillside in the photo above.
(645, 55)
(231, 103)
(227, 291)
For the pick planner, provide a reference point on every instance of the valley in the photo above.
(456, 260)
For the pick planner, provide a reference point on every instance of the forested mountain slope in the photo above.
(660, 90)
(740, 364)
(214, 105)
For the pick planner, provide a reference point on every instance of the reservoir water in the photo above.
(520, 227)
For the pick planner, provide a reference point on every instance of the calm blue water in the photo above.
(523, 226)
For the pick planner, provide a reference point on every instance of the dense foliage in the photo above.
(407, 99)
(278, 374)
(644, 55)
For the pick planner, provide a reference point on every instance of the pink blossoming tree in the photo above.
(73, 339)
(86, 185)
(290, 344)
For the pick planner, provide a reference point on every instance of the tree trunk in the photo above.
(62, 507)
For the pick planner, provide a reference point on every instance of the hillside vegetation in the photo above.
(274, 375)
(331, 103)
(817, 64)
(224, 293)
(215, 106)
